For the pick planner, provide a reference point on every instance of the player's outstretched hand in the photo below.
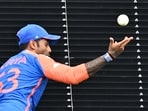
(116, 48)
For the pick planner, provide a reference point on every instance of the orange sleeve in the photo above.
(61, 72)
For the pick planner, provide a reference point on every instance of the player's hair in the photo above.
(24, 46)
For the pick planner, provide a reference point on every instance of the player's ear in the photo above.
(32, 44)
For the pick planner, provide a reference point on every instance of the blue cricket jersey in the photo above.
(23, 79)
(22, 83)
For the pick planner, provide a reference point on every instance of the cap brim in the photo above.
(52, 37)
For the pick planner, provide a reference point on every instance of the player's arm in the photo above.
(76, 74)
(114, 50)
(61, 72)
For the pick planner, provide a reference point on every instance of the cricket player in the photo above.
(24, 76)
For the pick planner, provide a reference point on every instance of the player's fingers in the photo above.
(111, 41)
(122, 41)
(127, 40)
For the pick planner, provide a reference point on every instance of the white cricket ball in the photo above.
(122, 20)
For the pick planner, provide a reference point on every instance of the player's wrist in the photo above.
(111, 56)
(108, 57)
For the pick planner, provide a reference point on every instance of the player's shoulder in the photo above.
(40, 57)
(44, 57)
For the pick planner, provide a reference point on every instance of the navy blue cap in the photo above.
(34, 32)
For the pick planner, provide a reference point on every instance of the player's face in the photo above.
(43, 47)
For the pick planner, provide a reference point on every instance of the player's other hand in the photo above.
(116, 48)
